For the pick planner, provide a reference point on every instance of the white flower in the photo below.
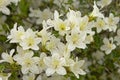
(29, 76)
(62, 50)
(117, 38)
(54, 64)
(58, 24)
(64, 53)
(96, 12)
(103, 3)
(41, 15)
(76, 39)
(45, 14)
(41, 63)
(16, 34)
(28, 63)
(4, 76)
(60, 2)
(52, 43)
(86, 65)
(8, 57)
(4, 4)
(89, 39)
(98, 55)
(76, 68)
(72, 18)
(39, 78)
(100, 25)
(2, 21)
(30, 40)
(21, 53)
(84, 25)
(108, 45)
(111, 22)
(57, 77)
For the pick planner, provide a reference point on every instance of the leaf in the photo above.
(24, 7)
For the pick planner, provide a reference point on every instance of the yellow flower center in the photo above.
(30, 41)
(62, 26)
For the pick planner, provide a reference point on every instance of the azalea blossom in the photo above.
(108, 45)
(76, 68)
(76, 39)
(8, 57)
(16, 34)
(96, 12)
(3, 6)
(111, 22)
(28, 63)
(4, 76)
(30, 40)
(117, 38)
(54, 65)
(59, 24)
(5, 3)
(44, 34)
(29, 76)
(103, 3)
(52, 43)
(100, 25)
(41, 15)
(41, 63)
(72, 18)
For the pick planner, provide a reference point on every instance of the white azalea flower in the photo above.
(100, 25)
(108, 45)
(117, 38)
(57, 77)
(64, 53)
(3, 6)
(59, 24)
(5, 3)
(96, 12)
(62, 50)
(8, 57)
(52, 43)
(4, 76)
(72, 18)
(41, 15)
(21, 53)
(88, 39)
(44, 34)
(41, 63)
(16, 34)
(103, 3)
(29, 76)
(76, 39)
(28, 63)
(2, 21)
(45, 14)
(54, 64)
(98, 55)
(111, 22)
(30, 40)
(76, 68)
(84, 25)
(60, 2)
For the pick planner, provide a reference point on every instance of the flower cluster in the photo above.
(48, 53)
(5, 3)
